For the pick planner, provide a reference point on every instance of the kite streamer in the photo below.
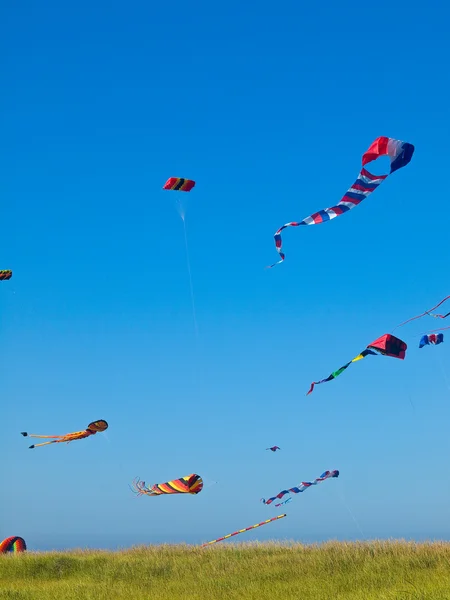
(427, 312)
(243, 530)
(5, 274)
(400, 154)
(191, 484)
(13, 544)
(304, 485)
(91, 429)
(387, 344)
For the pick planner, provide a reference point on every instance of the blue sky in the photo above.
(269, 110)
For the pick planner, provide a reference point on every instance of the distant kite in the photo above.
(274, 448)
(5, 274)
(431, 338)
(400, 154)
(91, 429)
(179, 184)
(191, 484)
(427, 312)
(302, 486)
(13, 544)
(243, 530)
(387, 344)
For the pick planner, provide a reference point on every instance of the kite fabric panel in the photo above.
(5, 274)
(179, 184)
(91, 429)
(191, 484)
(427, 312)
(243, 530)
(304, 485)
(387, 344)
(431, 338)
(400, 154)
(13, 544)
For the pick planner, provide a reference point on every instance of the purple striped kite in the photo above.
(400, 154)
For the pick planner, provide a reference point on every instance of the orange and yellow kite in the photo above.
(91, 429)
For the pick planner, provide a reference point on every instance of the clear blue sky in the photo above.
(269, 107)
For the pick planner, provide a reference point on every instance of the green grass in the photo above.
(332, 571)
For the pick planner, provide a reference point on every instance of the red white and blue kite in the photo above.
(304, 485)
(431, 338)
(400, 154)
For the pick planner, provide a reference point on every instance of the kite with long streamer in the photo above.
(304, 485)
(91, 429)
(400, 154)
(190, 484)
(387, 344)
(243, 530)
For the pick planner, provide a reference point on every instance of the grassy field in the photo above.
(332, 571)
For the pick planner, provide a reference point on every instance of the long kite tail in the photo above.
(45, 437)
(335, 374)
(242, 530)
(44, 444)
(427, 312)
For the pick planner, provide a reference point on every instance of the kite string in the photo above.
(190, 275)
(342, 498)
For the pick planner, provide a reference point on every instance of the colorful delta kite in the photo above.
(13, 544)
(243, 530)
(274, 448)
(179, 184)
(5, 275)
(387, 344)
(91, 429)
(431, 338)
(427, 312)
(304, 485)
(400, 154)
(191, 484)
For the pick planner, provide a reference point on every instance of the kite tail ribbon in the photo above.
(335, 374)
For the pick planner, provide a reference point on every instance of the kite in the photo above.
(5, 274)
(179, 184)
(387, 344)
(400, 154)
(427, 312)
(13, 544)
(243, 530)
(304, 485)
(274, 448)
(91, 429)
(191, 484)
(431, 338)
